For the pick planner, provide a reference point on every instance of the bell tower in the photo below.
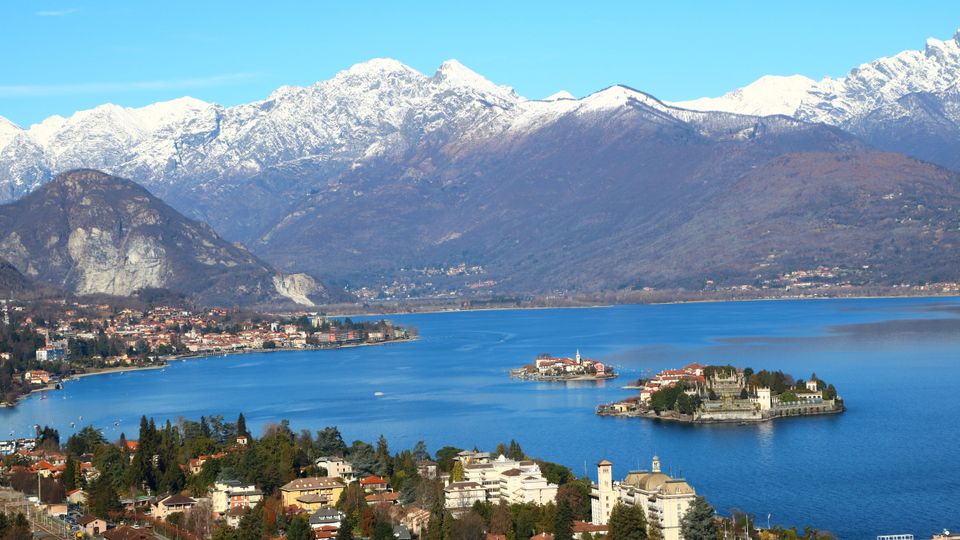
(655, 465)
(605, 497)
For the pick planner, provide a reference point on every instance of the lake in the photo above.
(888, 465)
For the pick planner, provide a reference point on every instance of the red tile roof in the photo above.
(372, 480)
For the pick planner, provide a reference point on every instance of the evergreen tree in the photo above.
(420, 452)
(242, 425)
(251, 524)
(627, 523)
(329, 442)
(654, 530)
(449, 528)
(345, 532)
(299, 529)
(698, 522)
(435, 525)
(382, 531)
(563, 521)
(71, 474)
(384, 462)
(515, 452)
(102, 497)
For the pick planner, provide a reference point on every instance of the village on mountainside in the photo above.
(213, 479)
(43, 345)
(719, 394)
(549, 368)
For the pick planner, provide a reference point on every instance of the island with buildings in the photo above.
(716, 394)
(550, 368)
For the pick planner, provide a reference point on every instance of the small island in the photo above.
(550, 368)
(725, 394)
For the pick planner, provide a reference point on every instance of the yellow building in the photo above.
(663, 499)
(312, 493)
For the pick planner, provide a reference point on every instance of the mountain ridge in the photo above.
(91, 233)
(383, 167)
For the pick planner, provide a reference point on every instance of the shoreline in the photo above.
(686, 419)
(166, 360)
(412, 310)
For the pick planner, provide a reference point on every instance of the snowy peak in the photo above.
(768, 95)
(378, 67)
(618, 96)
(453, 74)
(842, 101)
(563, 94)
(8, 131)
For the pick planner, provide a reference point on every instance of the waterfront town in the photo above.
(549, 368)
(717, 394)
(43, 345)
(213, 479)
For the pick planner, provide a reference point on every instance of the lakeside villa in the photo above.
(496, 480)
(550, 368)
(717, 394)
(663, 499)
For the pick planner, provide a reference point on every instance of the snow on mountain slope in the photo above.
(841, 102)
(383, 107)
(871, 85)
(768, 95)
(373, 107)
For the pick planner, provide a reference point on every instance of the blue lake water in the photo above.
(890, 464)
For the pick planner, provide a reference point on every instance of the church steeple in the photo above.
(655, 466)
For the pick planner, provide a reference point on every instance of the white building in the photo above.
(229, 494)
(662, 498)
(51, 354)
(462, 495)
(336, 467)
(511, 481)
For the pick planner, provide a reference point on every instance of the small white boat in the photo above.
(378, 393)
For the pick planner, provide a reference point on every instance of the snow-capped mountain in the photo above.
(841, 102)
(373, 107)
(768, 95)
(382, 166)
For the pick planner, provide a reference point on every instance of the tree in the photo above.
(515, 452)
(563, 521)
(242, 425)
(698, 522)
(345, 532)
(446, 457)
(457, 474)
(382, 530)
(85, 441)
(577, 497)
(329, 442)
(71, 474)
(627, 523)
(384, 462)
(420, 452)
(299, 529)
(501, 521)
(102, 497)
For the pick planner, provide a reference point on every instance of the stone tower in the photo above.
(605, 496)
(655, 466)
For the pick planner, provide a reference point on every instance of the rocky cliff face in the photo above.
(90, 232)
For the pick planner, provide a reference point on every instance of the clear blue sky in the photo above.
(60, 56)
